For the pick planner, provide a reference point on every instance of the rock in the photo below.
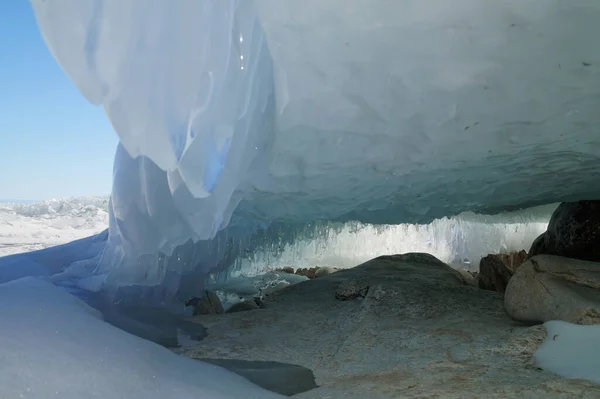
(283, 378)
(573, 232)
(539, 246)
(468, 277)
(351, 289)
(513, 260)
(243, 306)
(421, 333)
(548, 287)
(287, 269)
(324, 271)
(310, 273)
(208, 304)
(493, 274)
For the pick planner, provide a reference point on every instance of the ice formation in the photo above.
(238, 117)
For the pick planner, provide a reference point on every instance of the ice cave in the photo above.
(262, 134)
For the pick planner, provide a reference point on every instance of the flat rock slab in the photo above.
(420, 332)
(283, 378)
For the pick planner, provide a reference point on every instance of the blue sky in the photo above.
(53, 143)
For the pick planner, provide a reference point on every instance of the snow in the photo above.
(32, 226)
(55, 346)
(571, 351)
(239, 116)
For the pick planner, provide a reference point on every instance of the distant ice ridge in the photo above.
(36, 225)
(239, 115)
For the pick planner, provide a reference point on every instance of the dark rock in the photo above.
(573, 232)
(513, 260)
(548, 287)
(493, 274)
(283, 378)
(539, 246)
(208, 304)
(351, 289)
(243, 306)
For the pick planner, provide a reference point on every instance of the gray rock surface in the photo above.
(283, 378)
(493, 274)
(573, 232)
(550, 287)
(420, 333)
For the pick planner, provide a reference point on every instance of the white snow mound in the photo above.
(55, 346)
(571, 350)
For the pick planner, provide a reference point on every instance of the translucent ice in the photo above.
(239, 115)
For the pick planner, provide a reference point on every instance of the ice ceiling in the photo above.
(235, 116)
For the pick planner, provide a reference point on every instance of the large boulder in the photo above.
(493, 274)
(573, 232)
(550, 287)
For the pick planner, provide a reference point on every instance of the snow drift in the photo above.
(241, 119)
(55, 346)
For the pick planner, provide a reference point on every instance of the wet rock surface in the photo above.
(421, 332)
(550, 287)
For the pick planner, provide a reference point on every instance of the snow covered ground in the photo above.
(31, 226)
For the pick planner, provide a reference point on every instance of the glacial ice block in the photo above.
(234, 114)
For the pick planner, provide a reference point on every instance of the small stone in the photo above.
(351, 289)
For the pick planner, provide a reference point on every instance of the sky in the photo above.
(53, 142)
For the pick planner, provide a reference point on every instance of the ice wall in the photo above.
(460, 241)
(235, 115)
